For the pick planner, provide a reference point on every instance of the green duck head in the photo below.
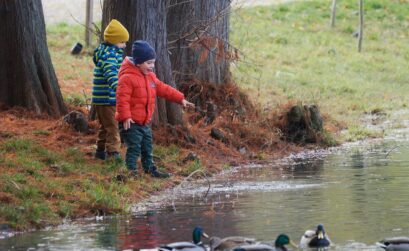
(320, 231)
(283, 240)
(197, 235)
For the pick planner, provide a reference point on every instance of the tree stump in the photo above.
(78, 121)
(304, 124)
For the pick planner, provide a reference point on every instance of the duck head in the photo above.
(320, 232)
(283, 240)
(197, 235)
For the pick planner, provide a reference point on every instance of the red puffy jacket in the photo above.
(136, 94)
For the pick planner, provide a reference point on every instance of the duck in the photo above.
(394, 244)
(280, 244)
(196, 245)
(227, 243)
(315, 239)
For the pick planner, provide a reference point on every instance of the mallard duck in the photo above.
(395, 244)
(218, 244)
(279, 245)
(197, 244)
(315, 239)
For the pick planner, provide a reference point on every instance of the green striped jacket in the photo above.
(107, 60)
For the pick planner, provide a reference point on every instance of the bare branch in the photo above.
(187, 179)
(78, 22)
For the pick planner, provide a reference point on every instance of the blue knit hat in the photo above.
(142, 51)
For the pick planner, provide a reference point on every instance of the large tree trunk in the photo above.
(146, 20)
(198, 34)
(27, 76)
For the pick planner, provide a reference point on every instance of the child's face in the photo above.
(121, 45)
(147, 66)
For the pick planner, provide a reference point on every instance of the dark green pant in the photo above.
(138, 140)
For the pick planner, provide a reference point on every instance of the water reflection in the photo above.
(305, 168)
(359, 194)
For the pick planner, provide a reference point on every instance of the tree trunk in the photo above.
(88, 22)
(361, 25)
(333, 12)
(27, 76)
(146, 20)
(198, 34)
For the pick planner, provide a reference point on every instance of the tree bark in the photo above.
(146, 20)
(198, 34)
(333, 12)
(27, 76)
(88, 22)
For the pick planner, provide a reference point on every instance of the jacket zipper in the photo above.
(147, 100)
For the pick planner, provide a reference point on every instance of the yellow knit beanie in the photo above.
(115, 33)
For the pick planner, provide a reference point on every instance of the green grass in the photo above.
(74, 72)
(192, 166)
(40, 186)
(355, 133)
(76, 99)
(290, 52)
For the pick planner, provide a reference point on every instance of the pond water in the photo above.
(359, 192)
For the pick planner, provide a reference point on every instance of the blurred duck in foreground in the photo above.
(197, 244)
(395, 244)
(228, 243)
(279, 245)
(315, 239)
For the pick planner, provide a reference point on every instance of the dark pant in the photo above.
(138, 140)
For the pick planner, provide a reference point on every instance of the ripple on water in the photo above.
(250, 186)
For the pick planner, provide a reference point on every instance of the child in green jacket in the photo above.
(107, 59)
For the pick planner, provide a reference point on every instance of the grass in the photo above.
(290, 52)
(38, 186)
(74, 72)
(355, 133)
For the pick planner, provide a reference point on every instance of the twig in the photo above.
(86, 101)
(15, 184)
(176, 4)
(198, 93)
(387, 154)
(184, 181)
(78, 22)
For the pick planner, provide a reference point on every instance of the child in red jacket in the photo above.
(135, 104)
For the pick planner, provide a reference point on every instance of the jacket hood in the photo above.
(128, 67)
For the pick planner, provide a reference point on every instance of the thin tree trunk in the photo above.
(88, 22)
(333, 12)
(27, 76)
(198, 34)
(361, 25)
(146, 20)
